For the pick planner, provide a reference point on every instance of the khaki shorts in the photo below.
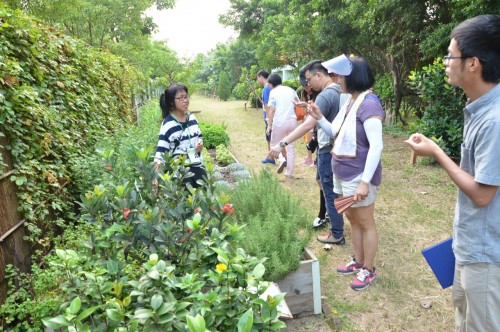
(348, 188)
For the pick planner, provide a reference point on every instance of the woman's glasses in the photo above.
(182, 98)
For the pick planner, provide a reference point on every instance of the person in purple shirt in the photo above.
(357, 170)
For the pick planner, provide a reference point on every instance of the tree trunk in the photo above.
(398, 88)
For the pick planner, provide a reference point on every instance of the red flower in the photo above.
(228, 208)
(189, 230)
(197, 210)
(125, 212)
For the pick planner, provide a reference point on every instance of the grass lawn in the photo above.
(414, 210)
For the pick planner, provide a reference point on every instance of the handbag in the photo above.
(300, 110)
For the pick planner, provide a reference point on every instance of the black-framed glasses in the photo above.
(182, 98)
(308, 79)
(447, 58)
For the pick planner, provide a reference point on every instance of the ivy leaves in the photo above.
(57, 97)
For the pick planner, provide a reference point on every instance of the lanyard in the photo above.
(184, 128)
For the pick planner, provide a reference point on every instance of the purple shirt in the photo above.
(349, 168)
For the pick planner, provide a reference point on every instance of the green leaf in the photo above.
(114, 315)
(165, 307)
(20, 180)
(166, 318)
(246, 321)
(112, 267)
(259, 271)
(156, 301)
(56, 322)
(238, 268)
(154, 274)
(85, 313)
(143, 313)
(196, 324)
(278, 325)
(222, 256)
(75, 306)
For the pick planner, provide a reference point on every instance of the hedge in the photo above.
(57, 95)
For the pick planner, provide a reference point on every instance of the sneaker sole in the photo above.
(365, 287)
(338, 243)
(281, 167)
(348, 273)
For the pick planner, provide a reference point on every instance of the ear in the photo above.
(475, 64)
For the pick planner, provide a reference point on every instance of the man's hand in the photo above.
(423, 146)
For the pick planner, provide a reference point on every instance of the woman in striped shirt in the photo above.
(180, 134)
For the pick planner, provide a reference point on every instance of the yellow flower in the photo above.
(221, 267)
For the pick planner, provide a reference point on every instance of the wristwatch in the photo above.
(283, 143)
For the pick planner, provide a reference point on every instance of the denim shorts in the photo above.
(348, 188)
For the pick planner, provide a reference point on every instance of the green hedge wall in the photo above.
(57, 95)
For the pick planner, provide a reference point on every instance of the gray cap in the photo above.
(339, 65)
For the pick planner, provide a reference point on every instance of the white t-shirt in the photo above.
(281, 99)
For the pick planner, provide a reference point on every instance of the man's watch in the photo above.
(283, 143)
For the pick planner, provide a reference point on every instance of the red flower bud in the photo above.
(125, 212)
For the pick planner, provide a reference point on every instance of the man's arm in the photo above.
(480, 194)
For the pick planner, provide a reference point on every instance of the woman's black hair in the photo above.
(167, 99)
(361, 77)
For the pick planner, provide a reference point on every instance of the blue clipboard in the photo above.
(441, 259)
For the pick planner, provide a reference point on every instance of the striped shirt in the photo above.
(177, 137)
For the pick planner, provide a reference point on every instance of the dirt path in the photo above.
(414, 210)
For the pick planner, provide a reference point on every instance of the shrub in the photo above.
(214, 135)
(235, 167)
(276, 224)
(240, 91)
(224, 87)
(148, 257)
(161, 257)
(443, 117)
(240, 175)
(222, 155)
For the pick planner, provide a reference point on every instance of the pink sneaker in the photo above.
(308, 161)
(352, 267)
(363, 279)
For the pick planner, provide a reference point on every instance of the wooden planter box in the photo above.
(302, 287)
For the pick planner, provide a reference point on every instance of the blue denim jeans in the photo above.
(326, 177)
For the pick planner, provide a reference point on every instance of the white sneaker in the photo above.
(318, 223)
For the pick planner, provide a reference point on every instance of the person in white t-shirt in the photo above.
(282, 120)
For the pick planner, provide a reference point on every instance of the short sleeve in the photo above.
(487, 154)
(272, 100)
(370, 107)
(265, 94)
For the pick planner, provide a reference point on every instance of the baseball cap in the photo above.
(302, 79)
(339, 65)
